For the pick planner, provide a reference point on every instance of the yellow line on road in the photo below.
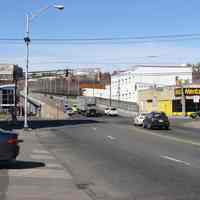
(173, 138)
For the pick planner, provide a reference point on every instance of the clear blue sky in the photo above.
(101, 18)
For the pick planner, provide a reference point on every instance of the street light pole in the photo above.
(110, 101)
(29, 18)
(27, 41)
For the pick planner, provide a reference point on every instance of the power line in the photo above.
(120, 38)
(172, 36)
(64, 42)
(11, 39)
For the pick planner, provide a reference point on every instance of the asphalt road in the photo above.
(111, 159)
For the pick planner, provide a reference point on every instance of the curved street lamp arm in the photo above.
(39, 12)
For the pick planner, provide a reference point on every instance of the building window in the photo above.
(7, 96)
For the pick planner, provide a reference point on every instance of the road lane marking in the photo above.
(176, 160)
(111, 137)
(181, 140)
(94, 128)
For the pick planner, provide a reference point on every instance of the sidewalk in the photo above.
(37, 175)
(185, 122)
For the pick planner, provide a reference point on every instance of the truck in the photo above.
(86, 106)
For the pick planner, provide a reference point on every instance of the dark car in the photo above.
(156, 120)
(91, 113)
(9, 144)
(195, 115)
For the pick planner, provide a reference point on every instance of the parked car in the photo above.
(156, 120)
(75, 108)
(111, 111)
(9, 143)
(138, 120)
(70, 111)
(91, 112)
(195, 115)
(106, 111)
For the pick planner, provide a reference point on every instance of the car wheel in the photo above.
(144, 126)
(166, 127)
(149, 126)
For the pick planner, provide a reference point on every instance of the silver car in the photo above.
(138, 120)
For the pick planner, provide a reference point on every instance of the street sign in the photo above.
(196, 99)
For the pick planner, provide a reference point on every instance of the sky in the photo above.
(100, 19)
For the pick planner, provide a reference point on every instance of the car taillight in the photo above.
(12, 141)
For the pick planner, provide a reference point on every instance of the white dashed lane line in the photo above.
(176, 160)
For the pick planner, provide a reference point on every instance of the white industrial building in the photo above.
(125, 84)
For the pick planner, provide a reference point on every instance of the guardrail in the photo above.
(123, 105)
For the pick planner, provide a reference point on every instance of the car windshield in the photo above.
(105, 95)
(160, 115)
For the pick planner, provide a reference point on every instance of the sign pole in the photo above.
(183, 101)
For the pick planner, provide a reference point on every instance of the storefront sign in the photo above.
(187, 91)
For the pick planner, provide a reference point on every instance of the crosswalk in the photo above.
(51, 168)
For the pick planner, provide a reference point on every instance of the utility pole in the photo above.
(78, 87)
(68, 88)
(93, 85)
(183, 100)
(110, 92)
(57, 110)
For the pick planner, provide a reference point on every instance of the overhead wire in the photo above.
(113, 40)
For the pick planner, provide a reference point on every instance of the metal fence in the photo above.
(127, 106)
